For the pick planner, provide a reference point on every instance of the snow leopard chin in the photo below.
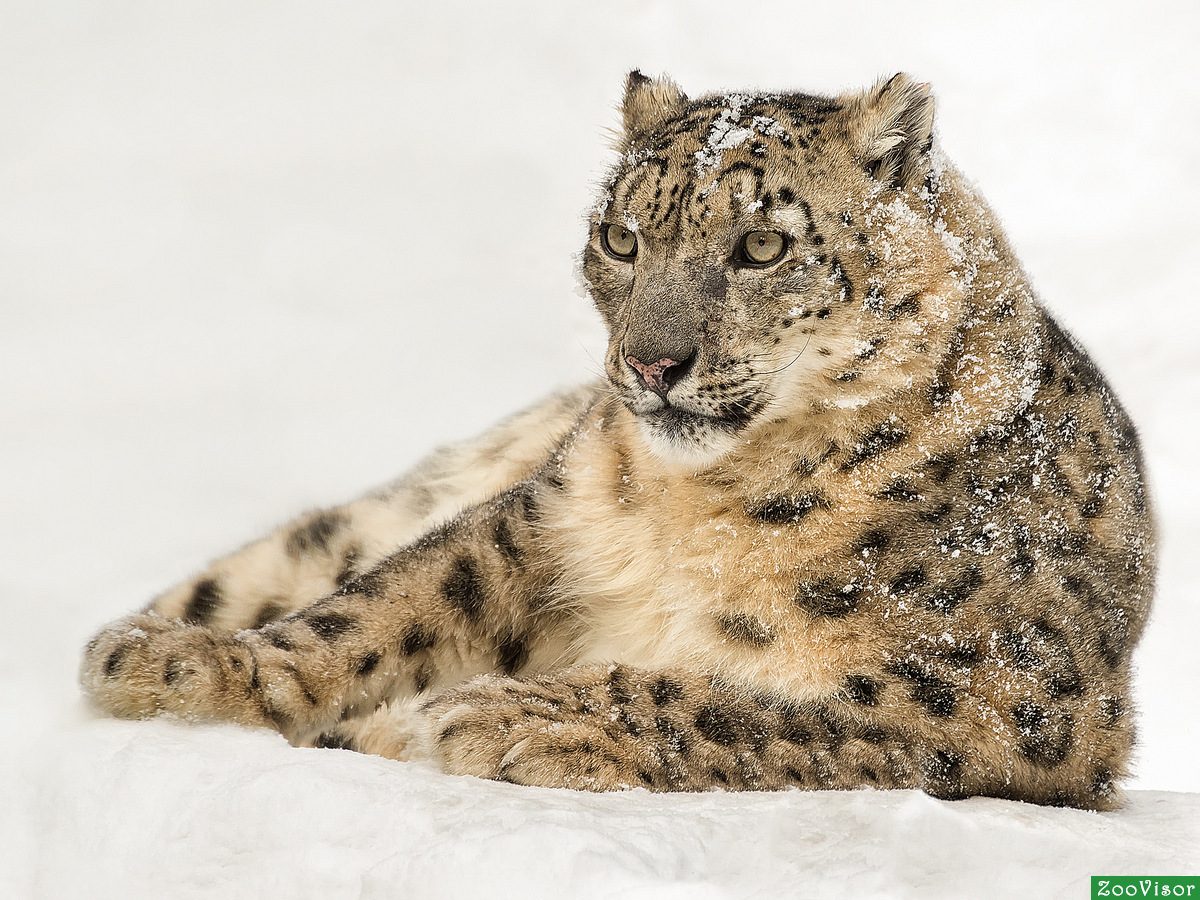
(687, 440)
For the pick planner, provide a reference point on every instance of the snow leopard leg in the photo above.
(607, 728)
(614, 728)
(322, 551)
(475, 595)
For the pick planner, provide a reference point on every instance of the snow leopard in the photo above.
(848, 509)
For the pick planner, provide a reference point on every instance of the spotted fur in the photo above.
(860, 515)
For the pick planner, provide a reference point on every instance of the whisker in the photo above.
(796, 357)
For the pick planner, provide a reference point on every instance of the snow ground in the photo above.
(255, 257)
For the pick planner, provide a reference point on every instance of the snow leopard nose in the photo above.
(662, 375)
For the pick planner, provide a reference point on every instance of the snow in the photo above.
(236, 242)
(272, 820)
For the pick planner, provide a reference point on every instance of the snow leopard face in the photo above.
(763, 256)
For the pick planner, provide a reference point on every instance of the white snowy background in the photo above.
(259, 256)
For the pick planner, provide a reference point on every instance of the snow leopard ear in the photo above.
(648, 103)
(892, 128)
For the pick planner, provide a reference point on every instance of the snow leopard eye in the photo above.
(762, 247)
(618, 241)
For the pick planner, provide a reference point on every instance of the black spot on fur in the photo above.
(369, 584)
(717, 726)
(873, 735)
(863, 689)
(113, 664)
(952, 595)
(786, 196)
(874, 301)
(842, 279)
(745, 628)
(943, 766)
(794, 726)
(936, 695)
(961, 654)
(935, 514)
(835, 731)
(204, 602)
(276, 638)
(462, 588)
(346, 572)
(276, 716)
(314, 535)
(1022, 564)
(675, 737)
(503, 539)
(870, 351)
(618, 685)
(527, 499)
(909, 306)
(1113, 709)
(783, 510)
(1070, 545)
(306, 690)
(939, 468)
(333, 741)
(268, 614)
(874, 541)
(511, 654)
(172, 671)
(828, 598)
(417, 638)
(875, 443)
(1046, 738)
(665, 690)
(900, 492)
(331, 626)
(1040, 648)
(1068, 683)
(908, 581)
(1046, 374)
(368, 664)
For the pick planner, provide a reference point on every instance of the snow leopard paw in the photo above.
(531, 733)
(144, 665)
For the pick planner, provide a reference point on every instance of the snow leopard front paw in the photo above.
(144, 665)
(532, 733)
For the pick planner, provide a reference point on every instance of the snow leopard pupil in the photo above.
(763, 246)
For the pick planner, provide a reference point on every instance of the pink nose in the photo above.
(658, 376)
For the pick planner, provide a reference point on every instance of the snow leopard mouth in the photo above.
(731, 417)
(696, 424)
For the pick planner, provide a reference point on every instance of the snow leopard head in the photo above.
(762, 256)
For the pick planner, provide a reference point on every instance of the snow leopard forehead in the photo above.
(722, 155)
